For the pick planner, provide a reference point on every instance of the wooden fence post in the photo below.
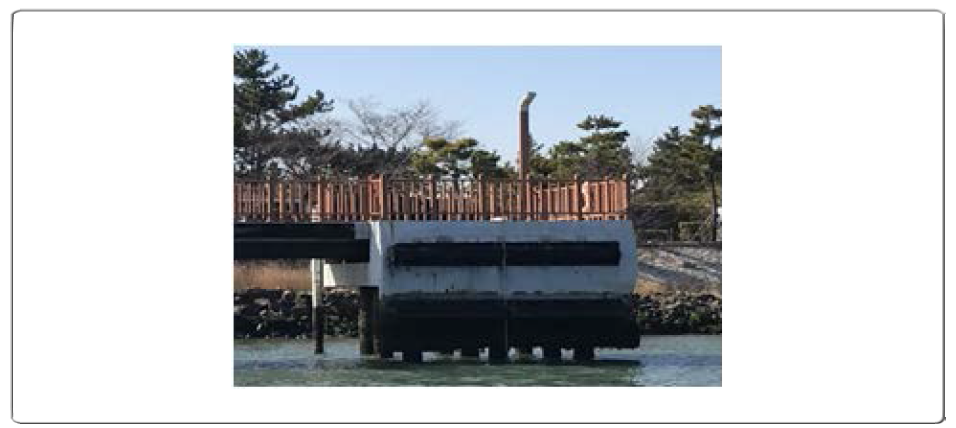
(281, 194)
(320, 200)
(627, 196)
(606, 199)
(268, 212)
(577, 196)
(434, 196)
(480, 215)
(381, 197)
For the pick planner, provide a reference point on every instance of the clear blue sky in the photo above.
(648, 88)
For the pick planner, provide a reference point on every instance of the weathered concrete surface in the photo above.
(689, 268)
(504, 279)
(345, 275)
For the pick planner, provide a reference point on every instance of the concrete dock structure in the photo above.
(453, 263)
(443, 286)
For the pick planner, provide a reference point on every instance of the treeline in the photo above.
(277, 135)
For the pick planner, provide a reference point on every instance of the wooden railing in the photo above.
(380, 198)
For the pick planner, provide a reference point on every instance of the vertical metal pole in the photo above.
(318, 314)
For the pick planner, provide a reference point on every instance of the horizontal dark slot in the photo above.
(347, 250)
(294, 230)
(562, 254)
(447, 254)
(460, 254)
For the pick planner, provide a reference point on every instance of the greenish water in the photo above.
(687, 360)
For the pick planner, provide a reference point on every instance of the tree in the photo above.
(379, 140)
(390, 161)
(460, 157)
(707, 127)
(397, 127)
(485, 163)
(675, 180)
(677, 165)
(541, 166)
(266, 122)
(602, 153)
(566, 159)
(443, 157)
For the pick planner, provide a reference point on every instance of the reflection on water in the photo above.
(661, 361)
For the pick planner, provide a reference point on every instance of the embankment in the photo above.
(678, 291)
(287, 313)
(665, 268)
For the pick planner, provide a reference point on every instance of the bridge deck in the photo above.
(379, 198)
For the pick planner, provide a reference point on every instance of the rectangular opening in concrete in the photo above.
(460, 254)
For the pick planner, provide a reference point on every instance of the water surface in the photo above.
(687, 360)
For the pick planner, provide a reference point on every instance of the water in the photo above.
(660, 361)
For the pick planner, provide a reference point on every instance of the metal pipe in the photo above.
(527, 99)
(524, 136)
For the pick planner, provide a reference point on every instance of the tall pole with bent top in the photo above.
(524, 152)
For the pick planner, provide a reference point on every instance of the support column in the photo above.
(584, 353)
(318, 313)
(412, 355)
(551, 353)
(498, 346)
(525, 352)
(368, 302)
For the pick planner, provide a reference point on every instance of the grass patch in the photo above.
(273, 275)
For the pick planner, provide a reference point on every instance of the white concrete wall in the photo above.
(553, 280)
(345, 275)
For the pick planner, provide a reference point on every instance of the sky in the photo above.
(647, 88)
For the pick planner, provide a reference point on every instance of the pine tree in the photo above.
(602, 153)
(463, 156)
(707, 128)
(266, 135)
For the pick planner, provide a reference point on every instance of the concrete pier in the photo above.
(551, 353)
(442, 286)
(584, 353)
(525, 352)
(412, 355)
(498, 346)
(368, 308)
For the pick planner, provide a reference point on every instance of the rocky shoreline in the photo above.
(259, 313)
